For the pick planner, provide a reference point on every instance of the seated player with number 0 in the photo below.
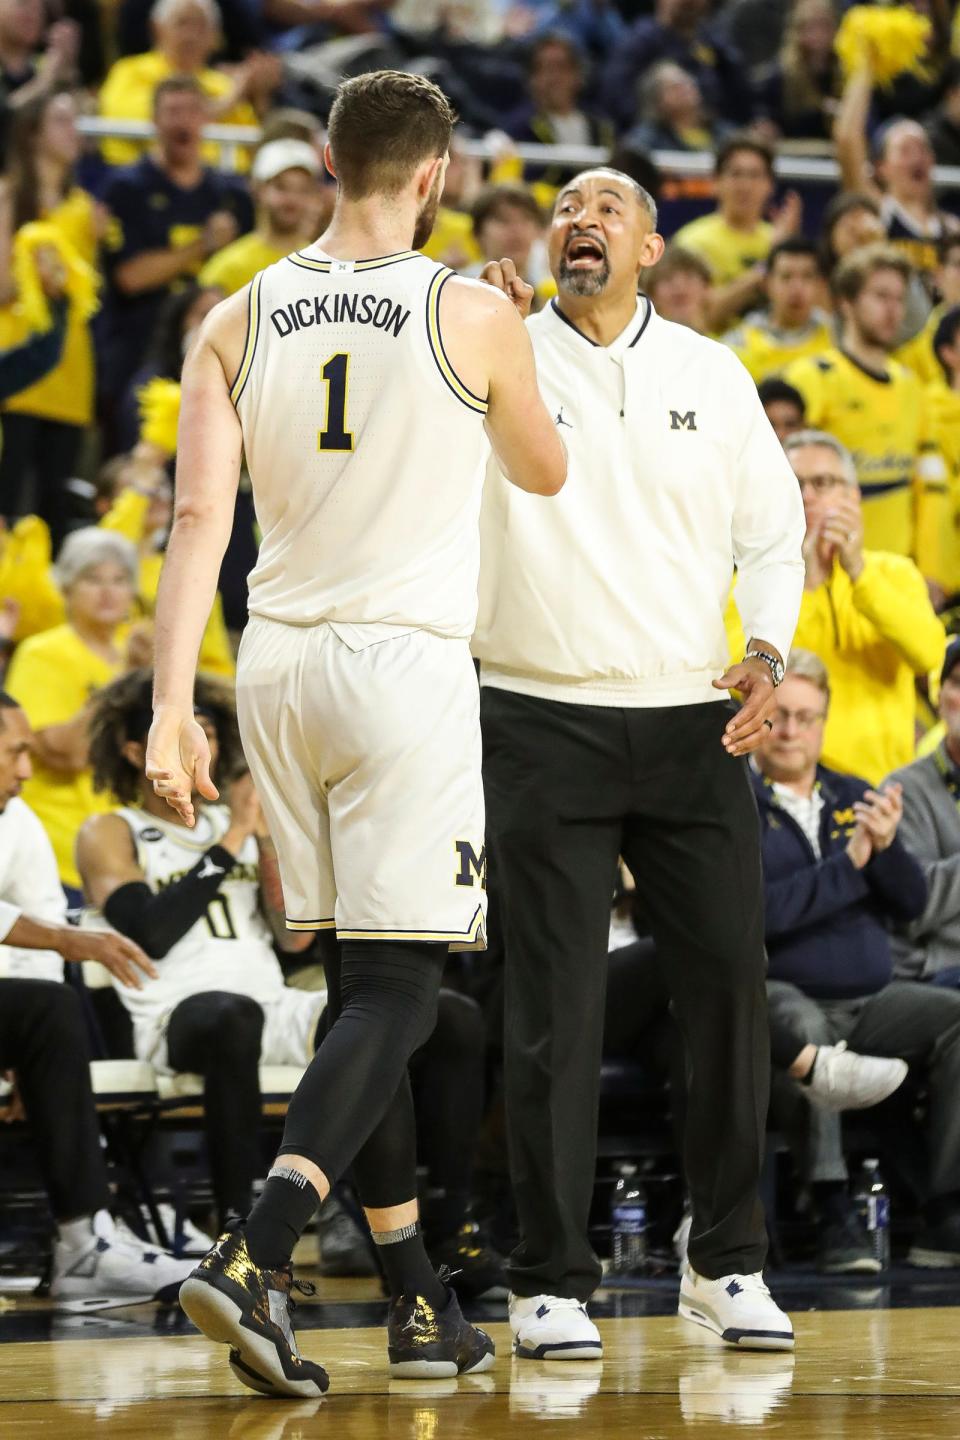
(205, 904)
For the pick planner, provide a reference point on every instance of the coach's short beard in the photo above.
(583, 282)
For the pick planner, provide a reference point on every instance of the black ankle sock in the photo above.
(279, 1217)
(407, 1266)
(806, 1079)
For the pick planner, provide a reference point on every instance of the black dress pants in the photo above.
(43, 1038)
(569, 788)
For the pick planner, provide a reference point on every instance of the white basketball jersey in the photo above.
(366, 451)
(229, 947)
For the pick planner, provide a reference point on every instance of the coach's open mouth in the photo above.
(583, 251)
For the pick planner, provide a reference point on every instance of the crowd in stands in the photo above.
(842, 302)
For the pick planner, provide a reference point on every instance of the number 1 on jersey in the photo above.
(335, 435)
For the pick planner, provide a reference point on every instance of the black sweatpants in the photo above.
(217, 1034)
(43, 1037)
(38, 457)
(569, 788)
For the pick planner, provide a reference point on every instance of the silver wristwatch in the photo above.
(776, 666)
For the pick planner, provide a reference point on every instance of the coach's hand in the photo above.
(178, 761)
(125, 960)
(746, 731)
(502, 275)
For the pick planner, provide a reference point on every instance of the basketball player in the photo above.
(608, 730)
(362, 381)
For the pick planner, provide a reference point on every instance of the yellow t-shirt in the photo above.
(917, 354)
(766, 351)
(66, 393)
(127, 94)
(452, 241)
(883, 421)
(236, 264)
(53, 676)
(728, 252)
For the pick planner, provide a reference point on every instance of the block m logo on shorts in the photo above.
(686, 421)
(471, 864)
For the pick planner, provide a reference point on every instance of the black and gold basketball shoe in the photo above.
(428, 1344)
(237, 1303)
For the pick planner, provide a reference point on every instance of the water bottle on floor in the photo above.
(872, 1204)
(628, 1223)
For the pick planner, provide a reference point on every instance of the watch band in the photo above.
(776, 666)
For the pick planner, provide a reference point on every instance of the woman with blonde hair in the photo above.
(800, 91)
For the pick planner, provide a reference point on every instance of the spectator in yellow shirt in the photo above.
(679, 287)
(54, 676)
(43, 426)
(943, 403)
(875, 407)
(508, 223)
(918, 354)
(866, 614)
(736, 239)
(791, 326)
(186, 35)
(285, 184)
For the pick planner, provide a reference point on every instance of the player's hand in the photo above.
(178, 761)
(115, 953)
(880, 813)
(13, 1109)
(246, 817)
(747, 730)
(502, 275)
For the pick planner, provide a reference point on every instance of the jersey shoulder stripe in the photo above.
(253, 335)
(307, 262)
(435, 338)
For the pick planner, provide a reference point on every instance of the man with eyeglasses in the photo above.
(836, 876)
(866, 613)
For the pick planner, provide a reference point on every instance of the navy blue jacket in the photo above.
(827, 922)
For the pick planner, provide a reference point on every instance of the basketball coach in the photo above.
(608, 730)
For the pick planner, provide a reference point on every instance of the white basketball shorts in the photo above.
(366, 758)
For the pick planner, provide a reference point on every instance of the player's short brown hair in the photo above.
(855, 269)
(382, 126)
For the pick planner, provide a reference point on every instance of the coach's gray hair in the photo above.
(83, 549)
(162, 10)
(800, 439)
(644, 199)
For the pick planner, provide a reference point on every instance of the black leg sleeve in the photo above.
(383, 1006)
(44, 1039)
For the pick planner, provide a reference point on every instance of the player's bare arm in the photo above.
(490, 348)
(209, 446)
(106, 858)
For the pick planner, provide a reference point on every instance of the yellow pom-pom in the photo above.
(159, 402)
(885, 40)
(80, 284)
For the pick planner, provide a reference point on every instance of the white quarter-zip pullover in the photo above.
(613, 592)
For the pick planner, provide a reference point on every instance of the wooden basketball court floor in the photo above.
(884, 1364)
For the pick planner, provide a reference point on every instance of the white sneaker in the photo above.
(550, 1327)
(110, 1261)
(843, 1080)
(189, 1241)
(738, 1308)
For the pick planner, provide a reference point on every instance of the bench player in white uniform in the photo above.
(364, 383)
(205, 904)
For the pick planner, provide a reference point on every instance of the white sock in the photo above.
(76, 1234)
